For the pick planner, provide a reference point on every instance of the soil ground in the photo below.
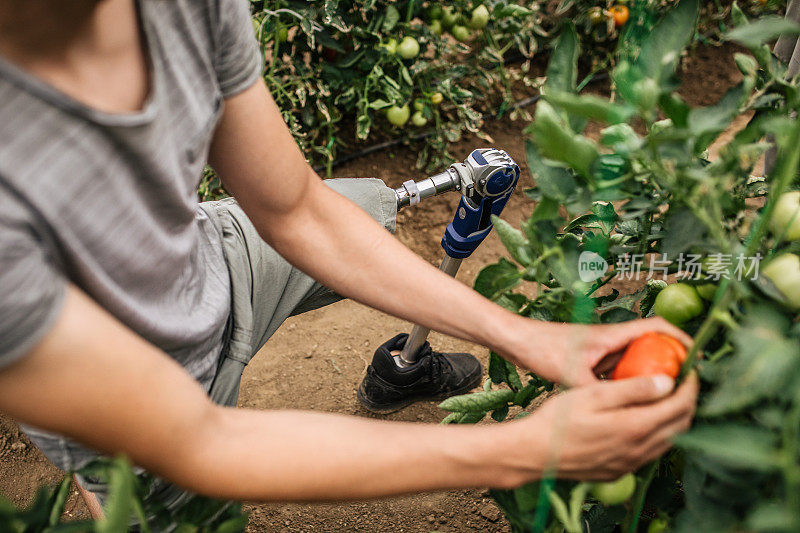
(316, 360)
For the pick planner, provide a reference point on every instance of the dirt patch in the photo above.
(315, 361)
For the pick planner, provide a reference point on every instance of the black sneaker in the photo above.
(388, 387)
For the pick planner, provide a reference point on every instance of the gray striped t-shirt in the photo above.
(108, 201)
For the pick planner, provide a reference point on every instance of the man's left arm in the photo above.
(332, 240)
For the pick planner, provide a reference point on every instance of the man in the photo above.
(126, 308)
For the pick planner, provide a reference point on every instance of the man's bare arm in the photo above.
(332, 240)
(94, 380)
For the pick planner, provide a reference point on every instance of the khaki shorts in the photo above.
(265, 288)
(265, 291)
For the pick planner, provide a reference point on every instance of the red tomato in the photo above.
(620, 15)
(650, 355)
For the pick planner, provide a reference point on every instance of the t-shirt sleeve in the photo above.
(238, 57)
(31, 289)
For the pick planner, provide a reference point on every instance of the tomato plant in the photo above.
(130, 498)
(343, 63)
(642, 197)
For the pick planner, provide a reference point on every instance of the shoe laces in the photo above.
(437, 365)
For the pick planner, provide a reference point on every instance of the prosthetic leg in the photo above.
(486, 180)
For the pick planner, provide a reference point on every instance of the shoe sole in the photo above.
(383, 409)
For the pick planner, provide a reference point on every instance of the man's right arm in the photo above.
(94, 380)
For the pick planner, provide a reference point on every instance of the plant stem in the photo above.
(632, 520)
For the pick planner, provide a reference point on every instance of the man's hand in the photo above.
(575, 354)
(602, 431)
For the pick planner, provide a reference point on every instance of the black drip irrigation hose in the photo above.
(424, 135)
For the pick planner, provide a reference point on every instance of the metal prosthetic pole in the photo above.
(486, 180)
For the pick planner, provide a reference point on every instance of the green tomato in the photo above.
(480, 18)
(678, 303)
(419, 104)
(658, 525)
(283, 34)
(461, 33)
(436, 27)
(615, 492)
(418, 119)
(397, 115)
(436, 98)
(785, 221)
(391, 46)
(408, 48)
(435, 12)
(706, 291)
(784, 273)
(449, 18)
(647, 93)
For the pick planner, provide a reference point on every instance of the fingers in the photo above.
(607, 364)
(659, 325)
(676, 406)
(610, 395)
(581, 377)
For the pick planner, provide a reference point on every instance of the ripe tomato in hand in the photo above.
(650, 355)
(620, 15)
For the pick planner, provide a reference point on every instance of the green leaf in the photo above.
(554, 182)
(682, 232)
(706, 123)
(452, 418)
(556, 141)
(762, 366)
(662, 49)
(562, 70)
(764, 30)
(391, 18)
(618, 315)
(497, 278)
(60, 500)
(652, 288)
(675, 109)
(480, 402)
(771, 516)
(527, 496)
(498, 415)
(590, 106)
(736, 446)
(511, 237)
(738, 16)
(379, 104)
(121, 492)
(526, 395)
(621, 137)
